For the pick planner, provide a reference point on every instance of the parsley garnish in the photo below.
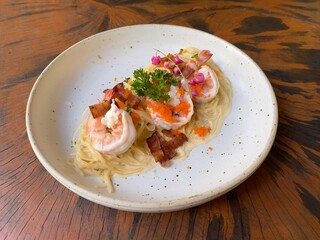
(195, 55)
(154, 85)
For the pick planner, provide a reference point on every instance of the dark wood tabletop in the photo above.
(281, 200)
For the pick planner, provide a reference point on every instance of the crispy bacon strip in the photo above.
(194, 64)
(123, 95)
(167, 148)
(177, 139)
(134, 101)
(118, 91)
(154, 145)
(189, 69)
(100, 109)
(107, 94)
(163, 150)
(168, 133)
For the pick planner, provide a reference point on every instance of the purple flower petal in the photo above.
(176, 71)
(194, 92)
(199, 78)
(192, 81)
(177, 60)
(156, 60)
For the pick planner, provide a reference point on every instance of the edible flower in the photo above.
(198, 79)
(177, 60)
(194, 92)
(166, 64)
(176, 71)
(156, 60)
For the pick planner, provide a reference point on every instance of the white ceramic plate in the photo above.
(76, 79)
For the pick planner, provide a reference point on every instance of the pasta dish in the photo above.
(156, 116)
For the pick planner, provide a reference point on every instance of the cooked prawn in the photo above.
(174, 113)
(112, 134)
(207, 89)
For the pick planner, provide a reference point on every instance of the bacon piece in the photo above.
(163, 150)
(154, 145)
(178, 140)
(189, 69)
(119, 92)
(194, 64)
(107, 94)
(116, 92)
(168, 133)
(123, 95)
(167, 148)
(134, 101)
(100, 109)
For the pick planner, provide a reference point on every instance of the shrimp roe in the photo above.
(163, 110)
(202, 131)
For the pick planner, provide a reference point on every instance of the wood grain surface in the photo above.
(281, 200)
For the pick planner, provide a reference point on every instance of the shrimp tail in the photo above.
(203, 57)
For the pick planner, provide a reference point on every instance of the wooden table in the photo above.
(281, 200)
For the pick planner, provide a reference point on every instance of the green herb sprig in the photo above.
(155, 85)
(195, 56)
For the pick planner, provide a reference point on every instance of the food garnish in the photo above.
(154, 84)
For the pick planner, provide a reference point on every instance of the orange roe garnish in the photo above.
(210, 148)
(202, 131)
(164, 111)
(183, 107)
(198, 88)
(180, 91)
